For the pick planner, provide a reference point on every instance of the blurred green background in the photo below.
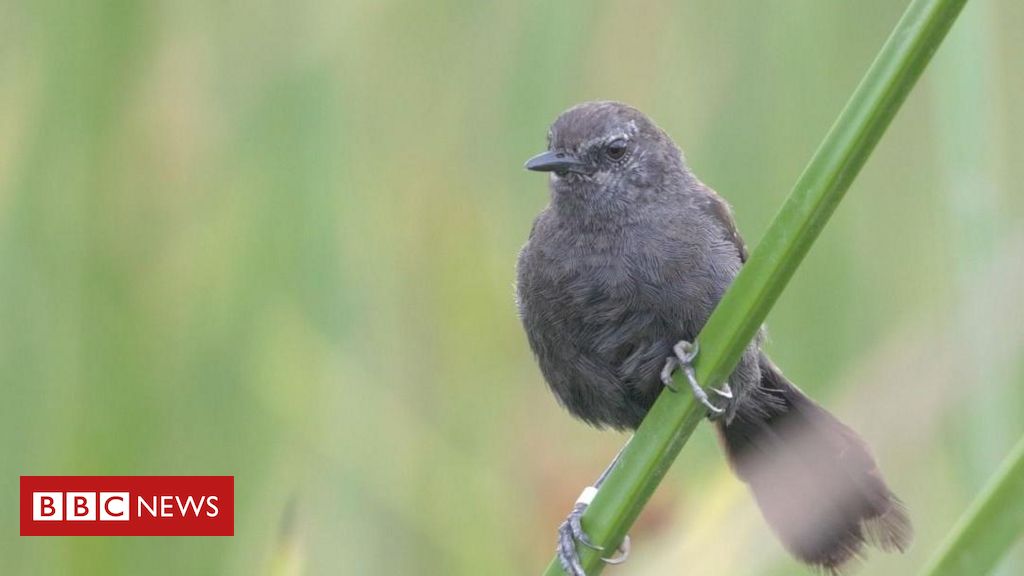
(277, 240)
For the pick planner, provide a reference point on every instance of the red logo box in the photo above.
(127, 505)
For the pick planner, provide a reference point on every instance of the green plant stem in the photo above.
(992, 523)
(815, 196)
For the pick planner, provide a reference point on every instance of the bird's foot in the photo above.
(684, 353)
(571, 532)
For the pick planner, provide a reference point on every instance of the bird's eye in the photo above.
(616, 149)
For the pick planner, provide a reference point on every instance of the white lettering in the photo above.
(143, 503)
(211, 502)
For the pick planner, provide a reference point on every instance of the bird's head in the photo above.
(606, 149)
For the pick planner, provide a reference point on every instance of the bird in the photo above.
(619, 274)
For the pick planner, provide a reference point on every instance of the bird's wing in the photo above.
(718, 210)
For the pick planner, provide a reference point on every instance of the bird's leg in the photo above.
(684, 353)
(571, 531)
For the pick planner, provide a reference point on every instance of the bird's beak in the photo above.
(553, 162)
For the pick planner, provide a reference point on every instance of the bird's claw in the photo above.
(684, 353)
(576, 527)
(570, 532)
(666, 373)
(623, 553)
(725, 391)
(567, 555)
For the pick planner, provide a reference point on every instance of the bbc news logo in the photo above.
(127, 505)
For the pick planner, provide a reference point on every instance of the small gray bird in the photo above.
(620, 273)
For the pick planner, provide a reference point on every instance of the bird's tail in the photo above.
(815, 480)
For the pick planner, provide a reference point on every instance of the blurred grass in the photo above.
(988, 528)
(966, 125)
(277, 241)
